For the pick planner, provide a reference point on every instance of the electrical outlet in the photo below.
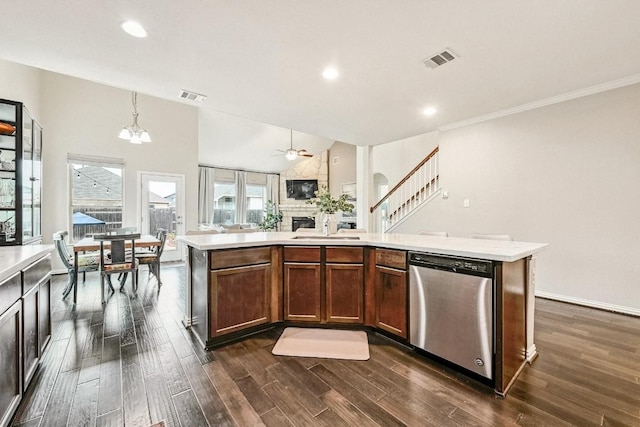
(466, 203)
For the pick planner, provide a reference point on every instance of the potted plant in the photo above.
(272, 217)
(329, 206)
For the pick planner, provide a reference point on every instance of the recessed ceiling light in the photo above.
(330, 73)
(429, 111)
(133, 28)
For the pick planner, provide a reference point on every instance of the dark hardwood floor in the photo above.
(131, 363)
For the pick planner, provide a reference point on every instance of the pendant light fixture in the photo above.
(134, 133)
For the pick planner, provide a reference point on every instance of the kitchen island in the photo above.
(239, 284)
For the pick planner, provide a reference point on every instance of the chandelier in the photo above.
(134, 133)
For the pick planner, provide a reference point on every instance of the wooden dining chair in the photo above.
(88, 262)
(152, 257)
(118, 259)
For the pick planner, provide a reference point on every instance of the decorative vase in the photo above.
(329, 224)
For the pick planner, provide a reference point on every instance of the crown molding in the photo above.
(603, 87)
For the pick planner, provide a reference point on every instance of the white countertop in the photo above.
(495, 250)
(16, 258)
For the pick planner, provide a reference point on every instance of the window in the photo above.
(224, 203)
(256, 200)
(229, 196)
(96, 202)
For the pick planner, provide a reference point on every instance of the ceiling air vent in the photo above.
(440, 58)
(192, 96)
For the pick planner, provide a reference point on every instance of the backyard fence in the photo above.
(112, 217)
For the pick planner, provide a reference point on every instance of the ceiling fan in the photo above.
(292, 153)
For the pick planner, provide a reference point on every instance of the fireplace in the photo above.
(302, 222)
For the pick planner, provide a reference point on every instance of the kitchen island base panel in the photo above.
(510, 323)
(198, 297)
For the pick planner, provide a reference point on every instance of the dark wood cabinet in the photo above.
(239, 298)
(344, 293)
(44, 315)
(25, 327)
(30, 344)
(10, 361)
(234, 292)
(302, 284)
(302, 287)
(391, 292)
(36, 315)
(240, 289)
(324, 284)
(344, 284)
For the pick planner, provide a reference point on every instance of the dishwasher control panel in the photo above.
(456, 264)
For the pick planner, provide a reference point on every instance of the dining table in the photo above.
(89, 244)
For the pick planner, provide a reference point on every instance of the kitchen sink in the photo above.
(327, 237)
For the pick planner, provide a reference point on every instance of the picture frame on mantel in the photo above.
(349, 189)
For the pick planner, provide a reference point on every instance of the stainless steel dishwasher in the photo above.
(451, 309)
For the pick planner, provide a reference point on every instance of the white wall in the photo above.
(565, 174)
(237, 143)
(82, 117)
(342, 166)
(21, 83)
(395, 159)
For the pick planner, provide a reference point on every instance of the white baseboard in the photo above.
(589, 303)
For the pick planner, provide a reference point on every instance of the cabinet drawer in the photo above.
(34, 274)
(391, 258)
(239, 257)
(10, 292)
(344, 254)
(302, 253)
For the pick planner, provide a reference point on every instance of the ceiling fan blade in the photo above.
(304, 153)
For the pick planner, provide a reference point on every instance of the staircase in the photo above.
(413, 191)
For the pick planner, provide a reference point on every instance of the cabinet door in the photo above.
(10, 362)
(344, 293)
(391, 300)
(302, 292)
(44, 315)
(239, 298)
(31, 348)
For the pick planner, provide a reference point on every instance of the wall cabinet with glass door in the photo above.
(20, 175)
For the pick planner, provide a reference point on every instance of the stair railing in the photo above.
(411, 192)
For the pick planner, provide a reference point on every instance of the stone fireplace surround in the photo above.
(315, 167)
(290, 210)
